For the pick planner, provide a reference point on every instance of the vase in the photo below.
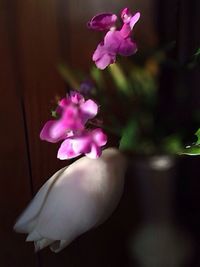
(159, 241)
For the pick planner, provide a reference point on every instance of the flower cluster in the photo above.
(84, 194)
(115, 41)
(73, 113)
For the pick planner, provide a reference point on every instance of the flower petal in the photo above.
(102, 22)
(128, 18)
(134, 19)
(83, 197)
(43, 243)
(81, 144)
(59, 245)
(95, 152)
(71, 119)
(99, 137)
(112, 41)
(76, 98)
(46, 132)
(66, 150)
(33, 236)
(103, 55)
(28, 219)
(89, 110)
(80, 198)
(105, 61)
(63, 103)
(127, 47)
(125, 15)
(54, 131)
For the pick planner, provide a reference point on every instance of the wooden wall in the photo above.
(35, 36)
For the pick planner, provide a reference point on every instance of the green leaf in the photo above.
(68, 75)
(198, 136)
(129, 136)
(120, 79)
(172, 144)
(144, 84)
(191, 150)
(98, 77)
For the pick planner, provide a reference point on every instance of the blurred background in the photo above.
(35, 37)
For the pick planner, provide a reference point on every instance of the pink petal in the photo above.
(71, 119)
(66, 150)
(112, 41)
(103, 57)
(63, 103)
(127, 47)
(52, 132)
(99, 137)
(105, 53)
(89, 110)
(105, 61)
(125, 31)
(95, 152)
(81, 144)
(125, 15)
(102, 22)
(134, 19)
(76, 98)
(99, 52)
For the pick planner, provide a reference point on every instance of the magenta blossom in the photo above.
(115, 41)
(86, 142)
(73, 112)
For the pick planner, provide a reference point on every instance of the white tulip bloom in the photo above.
(74, 200)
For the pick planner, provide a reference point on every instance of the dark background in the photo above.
(35, 36)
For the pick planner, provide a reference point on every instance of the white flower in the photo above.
(74, 200)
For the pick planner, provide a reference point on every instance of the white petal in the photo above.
(59, 245)
(28, 219)
(33, 236)
(43, 243)
(84, 196)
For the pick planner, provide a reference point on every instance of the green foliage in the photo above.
(194, 149)
(198, 136)
(172, 144)
(128, 94)
(119, 78)
(129, 137)
(68, 76)
(97, 76)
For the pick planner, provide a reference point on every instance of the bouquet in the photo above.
(117, 106)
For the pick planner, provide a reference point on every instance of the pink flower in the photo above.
(87, 142)
(115, 41)
(73, 111)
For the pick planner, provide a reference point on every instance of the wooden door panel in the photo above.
(15, 180)
(37, 44)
